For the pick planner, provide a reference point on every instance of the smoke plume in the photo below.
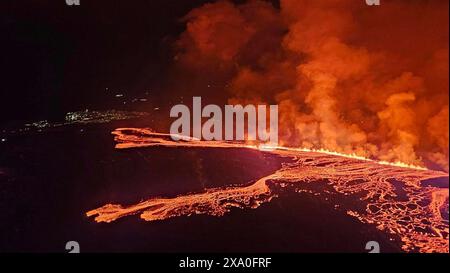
(352, 78)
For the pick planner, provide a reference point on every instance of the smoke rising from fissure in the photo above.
(347, 77)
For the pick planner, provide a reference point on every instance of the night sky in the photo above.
(58, 58)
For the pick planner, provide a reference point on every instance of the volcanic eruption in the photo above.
(363, 98)
(347, 77)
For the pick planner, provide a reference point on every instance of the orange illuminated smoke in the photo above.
(420, 227)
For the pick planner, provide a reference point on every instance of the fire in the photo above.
(353, 156)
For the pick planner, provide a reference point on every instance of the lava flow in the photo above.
(389, 196)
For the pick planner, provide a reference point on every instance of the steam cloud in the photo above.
(347, 77)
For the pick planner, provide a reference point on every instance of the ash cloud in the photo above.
(347, 77)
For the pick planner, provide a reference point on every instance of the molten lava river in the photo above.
(392, 197)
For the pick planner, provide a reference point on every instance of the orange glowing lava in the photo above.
(416, 217)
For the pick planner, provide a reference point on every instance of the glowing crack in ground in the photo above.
(418, 218)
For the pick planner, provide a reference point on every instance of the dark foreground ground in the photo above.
(48, 180)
